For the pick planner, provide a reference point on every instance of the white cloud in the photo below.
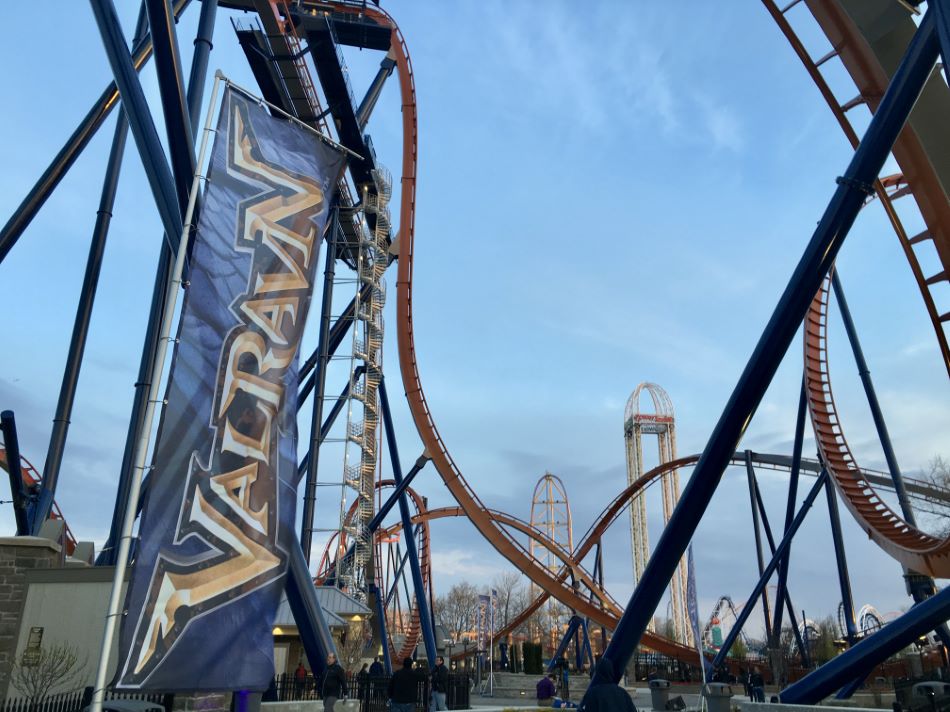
(459, 562)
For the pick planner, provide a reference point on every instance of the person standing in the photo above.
(440, 684)
(758, 686)
(333, 685)
(362, 682)
(300, 677)
(403, 688)
(565, 679)
(376, 669)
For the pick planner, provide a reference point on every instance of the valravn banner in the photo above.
(218, 521)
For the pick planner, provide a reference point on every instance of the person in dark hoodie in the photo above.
(333, 686)
(606, 698)
(440, 684)
(403, 688)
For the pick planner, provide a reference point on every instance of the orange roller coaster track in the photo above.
(868, 60)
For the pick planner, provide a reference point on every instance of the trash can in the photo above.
(718, 696)
(659, 693)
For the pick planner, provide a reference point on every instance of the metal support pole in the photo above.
(942, 10)
(107, 557)
(861, 659)
(73, 147)
(199, 60)
(323, 358)
(786, 596)
(865, 373)
(750, 476)
(844, 581)
(142, 441)
(87, 297)
(108, 553)
(331, 418)
(588, 652)
(302, 597)
(140, 120)
(819, 255)
(769, 570)
(790, 507)
(577, 648)
(375, 89)
(393, 498)
(397, 574)
(11, 445)
(918, 585)
(565, 642)
(77, 344)
(599, 578)
(171, 87)
(383, 635)
(425, 620)
(337, 332)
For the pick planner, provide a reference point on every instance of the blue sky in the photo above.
(605, 196)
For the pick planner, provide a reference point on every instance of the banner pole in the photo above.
(141, 448)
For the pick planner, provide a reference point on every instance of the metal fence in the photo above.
(371, 691)
(76, 700)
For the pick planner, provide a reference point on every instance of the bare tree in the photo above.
(39, 670)
(512, 597)
(354, 643)
(939, 471)
(932, 510)
(456, 610)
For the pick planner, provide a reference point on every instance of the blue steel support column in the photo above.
(565, 642)
(383, 636)
(314, 631)
(397, 574)
(199, 61)
(787, 597)
(77, 344)
(397, 493)
(171, 87)
(919, 585)
(320, 375)
(390, 502)
(425, 620)
(337, 332)
(11, 446)
(942, 10)
(819, 255)
(140, 120)
(87, 297)
(843, 579)
(865, 373)
(331, 418)
(769, 570)
(599, 578)
(861, 659)
(750, 476)
(375, 89)
(790, 507)
(73, 147)
(107, 555)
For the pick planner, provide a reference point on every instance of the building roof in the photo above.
(338, 607)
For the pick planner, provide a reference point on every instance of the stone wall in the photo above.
(18, 555)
